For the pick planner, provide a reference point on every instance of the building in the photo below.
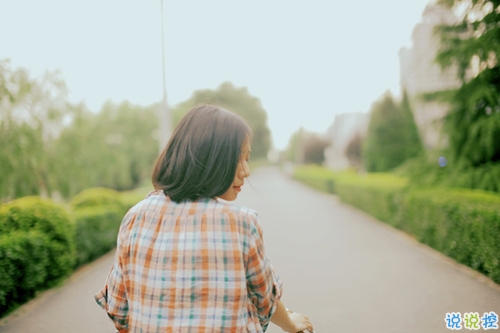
(344, 129)
(419, 74)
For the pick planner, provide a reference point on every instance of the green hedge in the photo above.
(98, 213)
(37, 248)
(97, 196)
(96, 231)
(463, 224)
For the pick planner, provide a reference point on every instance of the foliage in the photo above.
(314, 148)
(96, 231)
(114, 148)
(31, 113)
(462, 223)
(98, 213)
(473, 46)
(50, 147)
(97, 196)
(239, 101)
(392, 136)
(36, 248)
(305, 147)
(354, 151)
(426, 171)
(24, 263)
(34, 213)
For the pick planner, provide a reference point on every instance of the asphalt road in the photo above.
(344, 269)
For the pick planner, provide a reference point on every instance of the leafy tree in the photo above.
(354, 151)
(392, 137)
(239, 101)
(314, 149)
(114, 148)
(32, 112)
(473, 45)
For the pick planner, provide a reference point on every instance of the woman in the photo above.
(187, 262)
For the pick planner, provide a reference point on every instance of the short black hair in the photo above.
(201, 157)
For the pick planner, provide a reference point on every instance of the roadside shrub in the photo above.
(96, 231)
(97, 196)
(463, 224)
(24, 262)
(36, 248)
(98, 213)
(43, 215)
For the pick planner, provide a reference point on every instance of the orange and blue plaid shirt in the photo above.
(194, 266)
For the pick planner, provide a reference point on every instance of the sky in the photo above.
(306, 61)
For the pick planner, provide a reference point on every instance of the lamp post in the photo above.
(165, 126)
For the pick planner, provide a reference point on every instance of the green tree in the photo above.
(392, 137)
(239, 101)
(314, 149)
(473, 46)
(32, 113)
(114, 148)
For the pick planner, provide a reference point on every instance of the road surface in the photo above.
(344, 269)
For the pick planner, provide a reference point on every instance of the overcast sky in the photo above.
(305, 60)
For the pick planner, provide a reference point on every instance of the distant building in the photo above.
(345, 128)
(420, 74)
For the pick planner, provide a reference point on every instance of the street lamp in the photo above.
(165, 126)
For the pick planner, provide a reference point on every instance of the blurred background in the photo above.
(405, 91)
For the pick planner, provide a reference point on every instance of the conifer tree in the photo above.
(392, 136)
(473, 45)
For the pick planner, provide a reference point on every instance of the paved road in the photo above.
(347, 271)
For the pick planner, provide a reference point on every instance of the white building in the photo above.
(345, 127)
(420, 74)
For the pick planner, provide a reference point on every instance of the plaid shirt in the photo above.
(190, 267)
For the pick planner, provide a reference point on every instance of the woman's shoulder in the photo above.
(237, 209)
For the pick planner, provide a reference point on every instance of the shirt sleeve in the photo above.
(263, 284)
(113, 297)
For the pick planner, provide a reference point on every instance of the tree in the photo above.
(354, 151)
(392, 137)
(314, 149)
(32, 112)
(473, 45)
(239, 101)
(114, 148)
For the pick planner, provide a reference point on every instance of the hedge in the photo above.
(461, 223)
(98, 213)
(37, 248)
(96, 231)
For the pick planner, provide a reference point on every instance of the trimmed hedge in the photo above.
(96, 231)
(98, 213)
(37, 248)
(461, 223)
(97, 196)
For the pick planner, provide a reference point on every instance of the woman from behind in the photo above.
(187, 261)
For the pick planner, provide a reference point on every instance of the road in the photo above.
(344, 269)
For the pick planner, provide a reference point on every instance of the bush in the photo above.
(36, 248)
(43, 215)
(463, 224)
(98, 213)
(24, 263)
(96, 231)
(97, 196)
